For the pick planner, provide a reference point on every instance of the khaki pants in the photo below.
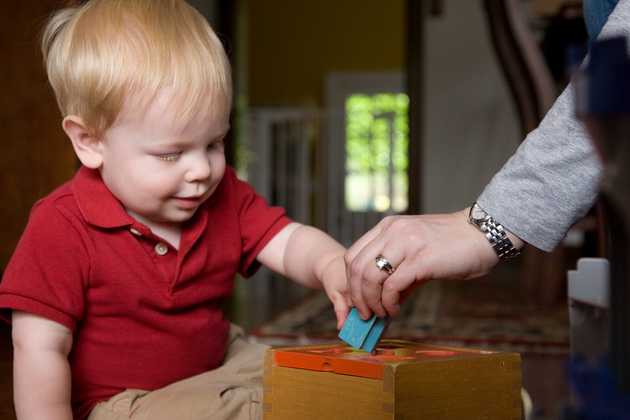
(232, 391)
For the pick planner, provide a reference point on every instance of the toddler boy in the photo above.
(115, 287)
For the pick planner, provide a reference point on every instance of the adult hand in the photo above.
(420, 248)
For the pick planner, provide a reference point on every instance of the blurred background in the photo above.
(346, 111)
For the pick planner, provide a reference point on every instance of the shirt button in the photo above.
(161, 248)
(135, 232)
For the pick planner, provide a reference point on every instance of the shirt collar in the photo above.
(96, 202)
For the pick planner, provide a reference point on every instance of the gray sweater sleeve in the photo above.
(552, 180)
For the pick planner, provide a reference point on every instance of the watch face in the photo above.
(477, 215)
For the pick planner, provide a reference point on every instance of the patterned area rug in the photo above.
(478, 313)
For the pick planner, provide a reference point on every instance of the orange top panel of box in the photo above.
(345, 360)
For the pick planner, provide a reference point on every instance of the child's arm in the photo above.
(311, 258)
(41, 372)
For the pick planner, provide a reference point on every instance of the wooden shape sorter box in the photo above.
(400, 380)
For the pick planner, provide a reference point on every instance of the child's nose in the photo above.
(199, 170)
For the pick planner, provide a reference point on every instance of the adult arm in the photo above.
(548, 184)
(543, 189)
(41, 371)
(421, 248)
(552, 180)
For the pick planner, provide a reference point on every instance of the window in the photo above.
(377, 139)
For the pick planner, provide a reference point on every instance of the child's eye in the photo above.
(215, 145)
(169, 157)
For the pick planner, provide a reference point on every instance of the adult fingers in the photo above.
(366, 279)
(355, 271)
(370, 290)
(375, 278)
(399, 284)
(358, 246)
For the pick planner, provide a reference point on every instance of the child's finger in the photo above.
(341, 309)
(341, 317)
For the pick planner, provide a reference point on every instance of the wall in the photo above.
(470, 122)
(292, 45)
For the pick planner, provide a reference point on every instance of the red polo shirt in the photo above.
(143, 314)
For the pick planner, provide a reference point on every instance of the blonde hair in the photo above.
(106, 52)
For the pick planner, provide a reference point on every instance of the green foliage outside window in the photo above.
(376, 172)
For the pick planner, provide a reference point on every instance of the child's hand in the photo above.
(336, 287)
(313, 259)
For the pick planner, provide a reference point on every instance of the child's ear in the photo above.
(86, 145)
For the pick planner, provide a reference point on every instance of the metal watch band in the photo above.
(498, 238)
(493, 231)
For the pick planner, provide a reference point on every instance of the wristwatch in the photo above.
(494, 232)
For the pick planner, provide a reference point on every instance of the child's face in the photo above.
(160, 168)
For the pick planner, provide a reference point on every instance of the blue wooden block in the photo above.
(362, 334)
(355, 330)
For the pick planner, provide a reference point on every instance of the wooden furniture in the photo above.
(529, 80)
(401, 380)
(36, 154)
(550, 7)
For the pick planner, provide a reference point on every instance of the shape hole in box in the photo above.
(436, 353)
(334, 350)
(389, 346)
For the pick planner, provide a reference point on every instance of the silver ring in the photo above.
(384, 265)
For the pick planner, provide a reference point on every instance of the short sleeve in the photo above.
(48, 272)
(258, 222)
